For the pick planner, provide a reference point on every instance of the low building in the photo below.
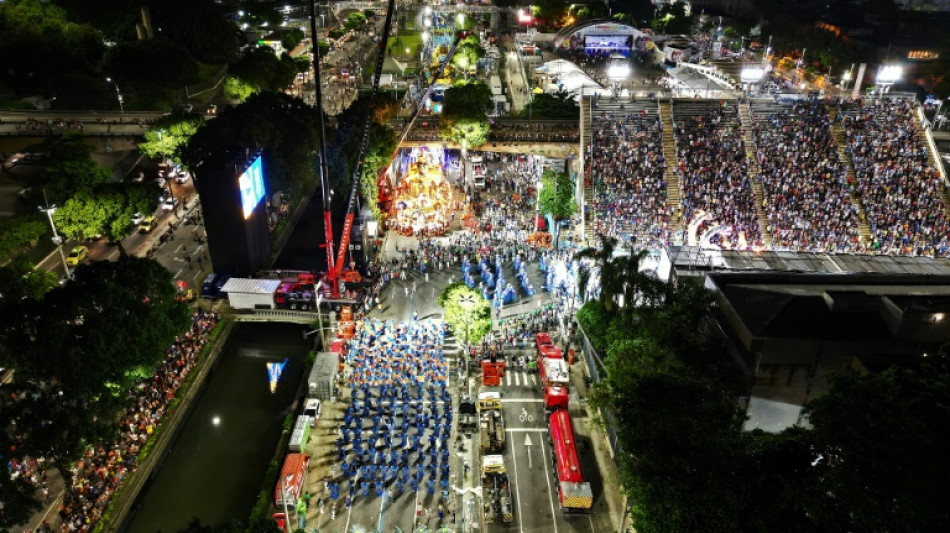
(793, 329)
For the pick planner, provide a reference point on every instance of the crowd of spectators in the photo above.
(627, 166)
(807, 200)
(103, 467)
(714, 177)
(898, 186)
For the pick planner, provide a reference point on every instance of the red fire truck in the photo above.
(555, 382)
(574, 494)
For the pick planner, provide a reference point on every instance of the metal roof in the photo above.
(251, 286)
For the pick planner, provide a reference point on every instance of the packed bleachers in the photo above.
(900, 189)
(627, 166)
(807, 199)
(714, 173)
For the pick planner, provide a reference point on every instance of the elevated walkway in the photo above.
(837, 133)
(752, 162)
(926, 136)
(276, 315)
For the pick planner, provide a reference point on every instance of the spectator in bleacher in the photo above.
(807, 201)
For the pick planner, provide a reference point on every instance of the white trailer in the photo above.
(244, 293)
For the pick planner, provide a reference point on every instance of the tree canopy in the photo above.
(464, 114)
(559, 105)
(466, 312)
(167, 136)
(263, 69)
(106, 210)
(557, 195)
(77, 350)
(282, 127)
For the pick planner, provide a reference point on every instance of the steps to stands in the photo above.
(745, 116)
(845, 157)
(673, 194)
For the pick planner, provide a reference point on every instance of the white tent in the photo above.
(562, 75)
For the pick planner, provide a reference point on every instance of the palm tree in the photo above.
(621, 281)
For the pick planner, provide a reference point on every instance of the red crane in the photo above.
(336, 273)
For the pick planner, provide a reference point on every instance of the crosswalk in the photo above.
(519, 378)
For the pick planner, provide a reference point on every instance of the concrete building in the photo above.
(793, 329)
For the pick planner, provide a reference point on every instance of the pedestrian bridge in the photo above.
(276, 315)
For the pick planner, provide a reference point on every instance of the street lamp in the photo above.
(467, 302)
(117, 94)
(57, 240)
(889, 75)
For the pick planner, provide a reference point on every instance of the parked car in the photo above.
(77, 255)
(137, 219)
(183, 177)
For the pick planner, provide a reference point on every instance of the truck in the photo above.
(491, 422)
(247, 293)
(297, 292)
(546, 347)
(468, 416)
(574, 494)
(496, 492)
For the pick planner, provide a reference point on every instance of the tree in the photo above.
(20, 280)
(65, 179)
(237, 90)
(203, 27)
(282, 127)
(558, 105)
(466, 312)
(168, 135)
(79, 349)
(19, 233)
(169, 63)
(290, 39)
(261, 68)
(557, 195)
(464, 114)
(882, 437)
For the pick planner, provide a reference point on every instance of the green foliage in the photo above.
(466, 312)
(464, 114)
(559, 105)
(237, 90)
(355, 20)
(883, 437)
(169, 64)
(17, 497)
(203, 28)
(290, 39)
(20, 280)
(168, 135)
(557, 195)
(19, 233)
(76, 349)
(283, 127)
(64, 180)
(672, 19)
(336, 33)
(106, 210)
(261, 68)
(466, 56)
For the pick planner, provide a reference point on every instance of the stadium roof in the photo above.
(685, 258)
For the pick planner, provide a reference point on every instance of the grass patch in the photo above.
(408, 39)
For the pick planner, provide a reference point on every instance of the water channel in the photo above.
(215, 468)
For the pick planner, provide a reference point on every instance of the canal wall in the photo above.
(127, 495)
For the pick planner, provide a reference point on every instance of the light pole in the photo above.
(118, 94)
(467, 302)
(57, 240)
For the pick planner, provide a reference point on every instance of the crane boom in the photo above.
(335, 267)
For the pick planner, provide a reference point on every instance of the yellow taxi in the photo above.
(77, 255)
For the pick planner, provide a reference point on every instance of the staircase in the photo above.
(587, 213)
(927, 139)
(837, 132)
(672, 175)
(748, 138)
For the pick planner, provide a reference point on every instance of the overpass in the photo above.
(277, 315)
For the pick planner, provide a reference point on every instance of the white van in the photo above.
(313, 409)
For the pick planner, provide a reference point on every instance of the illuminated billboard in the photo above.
(252, 187)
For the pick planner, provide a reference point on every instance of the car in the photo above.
(77, 255)
(147, 224)
(137, 219)
(170, 203)
(182, 177)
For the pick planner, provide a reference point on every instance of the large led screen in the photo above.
(252, 187)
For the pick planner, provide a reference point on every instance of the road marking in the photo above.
(526, 430)
(507, 379)
(349, 511)
(526, 400)
(527, 445)
(195, 277)
(113, 254)
(517, 380)
(547, 478)
(514, 458)
(382, 503)
(415, 514)
(534, 379)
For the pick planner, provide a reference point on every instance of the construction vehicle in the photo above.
(496, 492)
(468, 416)
(491, 422)
(337, 273)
